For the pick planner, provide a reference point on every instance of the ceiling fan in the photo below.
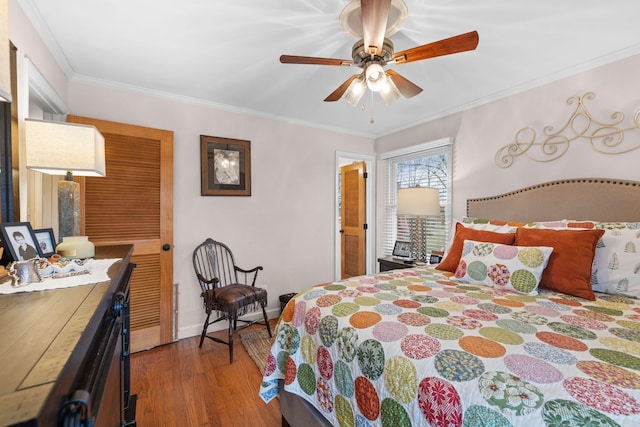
(372, 21)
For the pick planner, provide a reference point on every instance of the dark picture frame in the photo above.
(46, 241)
(18, 241)
(402, 249)
(225, 166)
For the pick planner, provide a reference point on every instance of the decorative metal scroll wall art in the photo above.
(606, 138)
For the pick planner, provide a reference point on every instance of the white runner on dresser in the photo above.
(97, 274)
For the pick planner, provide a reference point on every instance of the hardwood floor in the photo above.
(180, 384)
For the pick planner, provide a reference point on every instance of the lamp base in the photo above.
(418, 239)
(68, 208)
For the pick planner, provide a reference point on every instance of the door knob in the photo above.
(166, 247)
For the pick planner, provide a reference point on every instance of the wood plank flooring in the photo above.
(180, 384)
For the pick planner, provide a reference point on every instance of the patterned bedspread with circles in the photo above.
(416, 348)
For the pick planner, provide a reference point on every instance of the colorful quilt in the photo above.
(415, 348)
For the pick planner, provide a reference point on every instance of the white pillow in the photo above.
(515, 268)
(616, 265)
(479, 224)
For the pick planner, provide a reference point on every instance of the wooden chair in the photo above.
(224, 293)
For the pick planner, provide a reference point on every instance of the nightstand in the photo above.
(389, 263)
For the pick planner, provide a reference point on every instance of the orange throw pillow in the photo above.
(452, 258)
(569, 267)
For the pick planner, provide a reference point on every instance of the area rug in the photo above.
(258, 344)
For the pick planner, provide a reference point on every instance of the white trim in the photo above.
(33, 15)
(393, 157)
(416, 148)
(77, 78)
(41, 92)
(370, 162)
(41, 208)
(195, 330)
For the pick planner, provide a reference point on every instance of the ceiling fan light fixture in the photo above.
(375, 76)
(355, 91)
(389, 92)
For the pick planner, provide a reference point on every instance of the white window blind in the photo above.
(426, 165)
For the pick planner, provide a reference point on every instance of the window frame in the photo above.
(389, 232)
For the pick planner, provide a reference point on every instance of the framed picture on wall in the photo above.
(19, 241)
(46, 241)
(225, 166)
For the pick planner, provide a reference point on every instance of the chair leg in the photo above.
(232, 323)
(204, 330)
(266, 321)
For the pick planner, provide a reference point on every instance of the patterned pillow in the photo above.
(496, 225)
(516, 268)
(452, 257)
(616, 264)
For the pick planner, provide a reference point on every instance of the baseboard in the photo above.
(195, 330)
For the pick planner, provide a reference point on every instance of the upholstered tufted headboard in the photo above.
(597, 199)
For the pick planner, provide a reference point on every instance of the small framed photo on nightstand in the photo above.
(402, 250)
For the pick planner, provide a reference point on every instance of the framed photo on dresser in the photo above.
(46, 241)
(18, 241)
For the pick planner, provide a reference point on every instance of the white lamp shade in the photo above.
(56, 148)
(418, 201)
(5, 53)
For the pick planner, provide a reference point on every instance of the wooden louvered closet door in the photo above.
(134, 204)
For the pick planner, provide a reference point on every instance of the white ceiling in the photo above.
(226, 53)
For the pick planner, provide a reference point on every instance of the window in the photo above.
(426, 165)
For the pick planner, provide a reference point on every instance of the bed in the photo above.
(531, 319)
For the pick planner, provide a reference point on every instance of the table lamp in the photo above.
(419, 202)
(60, 148)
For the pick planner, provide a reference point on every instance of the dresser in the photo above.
(64, 353)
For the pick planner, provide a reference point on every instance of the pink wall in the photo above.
(287, 225)
(480, 132)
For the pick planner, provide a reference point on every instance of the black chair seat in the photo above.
(237, 297)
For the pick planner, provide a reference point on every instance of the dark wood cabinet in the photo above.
(65, 352)
(390, 263)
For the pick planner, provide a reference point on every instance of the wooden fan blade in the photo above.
(375, 14)
(290, 59)
(406, 88)
(337, 94)
(455, 44)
